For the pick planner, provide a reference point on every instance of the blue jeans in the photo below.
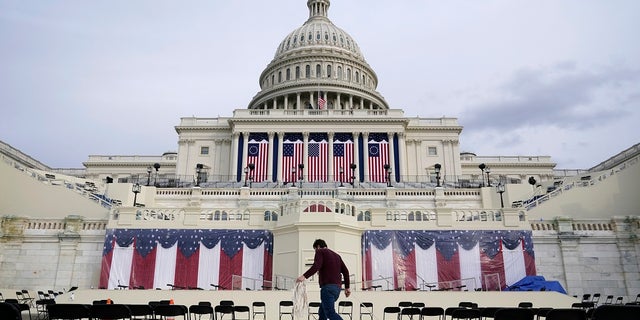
(328, 296)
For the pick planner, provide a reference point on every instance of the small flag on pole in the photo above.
(321, 101)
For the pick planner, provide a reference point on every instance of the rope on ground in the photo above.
(300, 301)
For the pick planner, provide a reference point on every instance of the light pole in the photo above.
(482, 166)
(437, 168)
(157, 167)
(341, 176)
(248, 173)
(301, 173)
(353, 167)
(488, 170)
(387, 169)
(293, 176)
(136, 188)
(148, 175)
(500, 190)
(199, 168)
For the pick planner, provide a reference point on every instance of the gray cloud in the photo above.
(560, 96)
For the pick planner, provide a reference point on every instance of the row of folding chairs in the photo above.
(155, 310)
(609, 299)
(603, 312)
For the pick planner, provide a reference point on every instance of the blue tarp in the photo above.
(536, 283)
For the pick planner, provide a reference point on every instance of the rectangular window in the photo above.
(432, 151)
(204, 150)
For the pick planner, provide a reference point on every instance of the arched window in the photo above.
(279, 76)
(349, 75)
(274, 216)
(216, 216)
(288, 74)
(411, 216)
(273, 79)
(307, 71)
(418, 216)
(339, 72)
(357, 77)
(297, 73)
(318, 71)
(329, 71)
(318, 35)
(225, 216)
(267, 215)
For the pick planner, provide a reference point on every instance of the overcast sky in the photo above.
(557, 78)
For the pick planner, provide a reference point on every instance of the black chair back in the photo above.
(110, 311)
(466, 313)
(566, 314)
(9, 311)
(171, 310)
(68, 311)
(616, 312)
(514, 314)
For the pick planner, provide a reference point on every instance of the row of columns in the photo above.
(330, 169)
(335, 102)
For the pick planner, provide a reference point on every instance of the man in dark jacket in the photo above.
(331, 272)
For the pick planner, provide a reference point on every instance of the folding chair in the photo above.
(258, 308)
(68, 311)
(345, 308)
(110, 311)
(314, 311)
(409, 313)
(366, 310)
(431, 312)
(513, 314)
(617, 312)
(201, 309)
(241, 312)
(171, 310)
(608, 300)
(395, 311)
(221, 310)
(595, 299)
(140, 310)
(465, 313)
(20, 306)
(10, 312)
(285, 308)
(566, 314)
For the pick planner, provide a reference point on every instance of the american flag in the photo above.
(257, 153)
(292, 154)
(378, 157)
(342, 156)
(317, 161)
(322, 103)
(153, 258)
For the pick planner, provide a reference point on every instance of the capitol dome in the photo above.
(318, 66)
